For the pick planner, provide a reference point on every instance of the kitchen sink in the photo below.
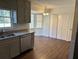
(10, 35)
(2, 36)
(7, 35)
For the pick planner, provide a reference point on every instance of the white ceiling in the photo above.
(40, 4)
(56, 3)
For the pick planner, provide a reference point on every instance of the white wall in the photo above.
(58, 24)
(64, 21)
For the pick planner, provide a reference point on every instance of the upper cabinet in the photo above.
(27, 11)
(23, 11)
(8, 4)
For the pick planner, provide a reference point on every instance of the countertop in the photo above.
(16, 34)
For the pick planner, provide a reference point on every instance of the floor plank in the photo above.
(47, 48)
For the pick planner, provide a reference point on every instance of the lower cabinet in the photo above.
(14, 47)
(32, 39)
(9, 48)
(4, 52)
(26, 42)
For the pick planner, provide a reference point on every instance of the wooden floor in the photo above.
(47, 48)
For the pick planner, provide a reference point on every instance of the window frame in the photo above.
(11, 18)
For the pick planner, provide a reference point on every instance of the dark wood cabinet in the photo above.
(20, 12)
(8, 4)
(27, 11)
(23, 11)
(9, 48)
(14, 46)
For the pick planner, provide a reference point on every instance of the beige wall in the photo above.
(65, 21)
(63, 10)
(58, 24)
(17, 27)
(21, 26)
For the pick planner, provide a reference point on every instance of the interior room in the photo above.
(38, 29)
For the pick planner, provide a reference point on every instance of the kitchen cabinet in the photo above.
(20, 12)
(27, 42)
(27, 11)
(23, 11)
(14, 47)
(4, 49)
(4, 52)
(9, 48)
(32, 39)
(8, 4)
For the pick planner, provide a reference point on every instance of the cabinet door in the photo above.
(27, 11)
(8, 4)
(32, 40)
(20, 11)
(4, 52)
(29, 41)
(14, 47)
(25, 42)
(24, 11)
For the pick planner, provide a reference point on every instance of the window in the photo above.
(36, 21)
(7, 17)
(32, 21)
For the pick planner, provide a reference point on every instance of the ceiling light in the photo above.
(46, 11)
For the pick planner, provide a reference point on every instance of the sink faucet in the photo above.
(2, 30)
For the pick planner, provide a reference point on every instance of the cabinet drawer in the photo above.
(4, 42)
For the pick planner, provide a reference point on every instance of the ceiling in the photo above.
(41, 4)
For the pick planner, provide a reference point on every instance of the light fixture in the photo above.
(46, 11)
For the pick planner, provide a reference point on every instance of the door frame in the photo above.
(74, 34)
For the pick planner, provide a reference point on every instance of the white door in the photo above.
(64, 29)
(59, 29)
(70, 26)
(53, 26)
(65, 23)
